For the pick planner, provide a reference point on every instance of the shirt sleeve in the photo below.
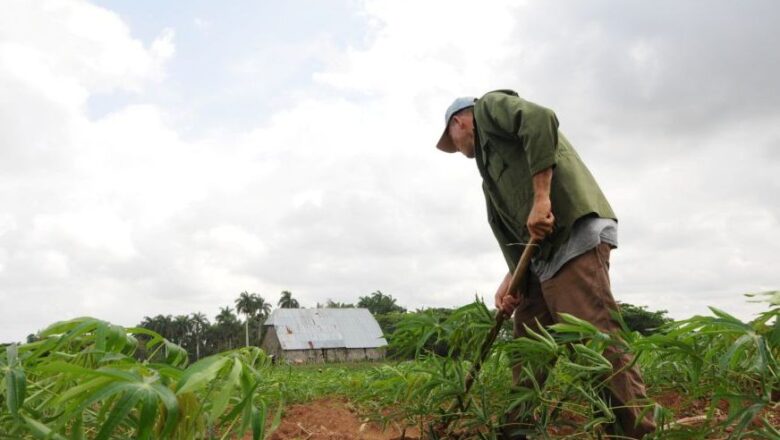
(536, 127)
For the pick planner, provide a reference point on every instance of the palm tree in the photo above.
(247, 304)
(226, 321)
(263, 307)
(161, 324)
(199, 324)
(287, 301)
(264, 310)
(182, 326)
(330, 304)
(226, 316)
(150, 323)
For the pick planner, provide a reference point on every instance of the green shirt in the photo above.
(515, 139)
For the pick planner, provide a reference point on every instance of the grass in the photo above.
(304, 383)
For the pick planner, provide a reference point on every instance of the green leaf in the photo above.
(111, 389)
(175, 355)
(200, 373)
(75, 370)
(550, 346)
(243, 405)
(732, 355)
(63, 327)
(73, 394)
(592, 356)
(77, 428)
(116, 338)
(171, 404)
(120, 410)
(100, 338)
(258, 421)
(584, 326)
(12, 353)
(147, 417)
(41, 430)
(15, 383)
(725, 316)
(222, 398)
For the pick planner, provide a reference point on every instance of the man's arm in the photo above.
(540, 224)
(541, 219)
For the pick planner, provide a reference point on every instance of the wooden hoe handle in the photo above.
(518, 277)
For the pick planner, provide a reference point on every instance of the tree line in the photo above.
(242, 324)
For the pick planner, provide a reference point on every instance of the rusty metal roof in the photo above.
(299, 329)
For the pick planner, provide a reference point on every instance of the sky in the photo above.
(162, 157)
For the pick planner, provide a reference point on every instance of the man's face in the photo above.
(461, 131)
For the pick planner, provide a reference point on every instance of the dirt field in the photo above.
(331, 419)
(336, 419)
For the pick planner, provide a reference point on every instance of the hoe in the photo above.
(518, 278)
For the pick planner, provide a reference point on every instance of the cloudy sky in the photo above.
(161, 157)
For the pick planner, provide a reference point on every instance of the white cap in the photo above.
(464, 102)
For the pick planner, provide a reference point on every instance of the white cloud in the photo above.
(98, 229)
(201, 23)
(69, 222)
(341, 191)
(411, 53)
(81, 43)
(162, 48)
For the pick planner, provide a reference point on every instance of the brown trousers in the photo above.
(582, 288)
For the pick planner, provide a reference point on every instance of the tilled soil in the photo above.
(331, 419)
(336, 419)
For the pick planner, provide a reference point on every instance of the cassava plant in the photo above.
(82, 380)
(717, 359)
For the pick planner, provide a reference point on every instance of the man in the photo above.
(537, 187)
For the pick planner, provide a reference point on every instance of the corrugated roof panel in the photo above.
(299, 329)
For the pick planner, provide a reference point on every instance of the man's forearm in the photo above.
(541, 182)
(541, 220)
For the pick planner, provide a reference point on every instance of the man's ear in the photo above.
(458, 119)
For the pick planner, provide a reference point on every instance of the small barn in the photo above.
(323, 335)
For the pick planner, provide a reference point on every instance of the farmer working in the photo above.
(536, 186)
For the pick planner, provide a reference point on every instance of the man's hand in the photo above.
(504, 301)
(541, 220)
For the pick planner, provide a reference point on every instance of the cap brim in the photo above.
(445, 143)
